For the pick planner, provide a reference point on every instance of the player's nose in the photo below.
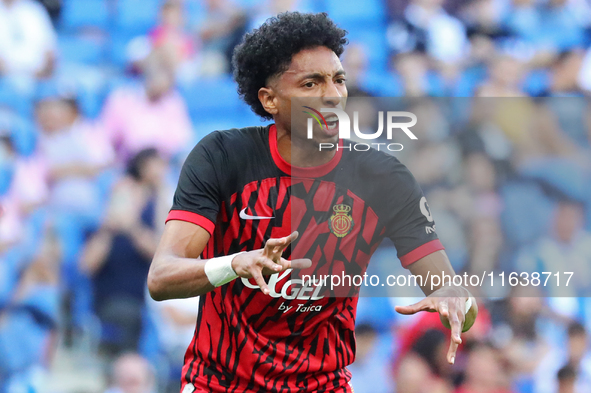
(332, 95)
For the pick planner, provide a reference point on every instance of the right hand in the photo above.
(268, 260)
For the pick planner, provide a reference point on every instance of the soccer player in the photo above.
(236, 204)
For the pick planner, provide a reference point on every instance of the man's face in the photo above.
(316, 77)
(54, 115)
(568, 221)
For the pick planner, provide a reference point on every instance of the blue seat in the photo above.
(85, 13)
(194, 13)
(536, 82)
(117, 51)
(14, 99)
(91, 98)
(81, 49)
(23, 133)
(136, 17)
(211, 98)
(383, 84)
(376, 45)
(468, 80)
(368, 12)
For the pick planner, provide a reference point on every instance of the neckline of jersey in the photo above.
(314, 171)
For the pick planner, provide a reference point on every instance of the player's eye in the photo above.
(310, 84)
(341, 81)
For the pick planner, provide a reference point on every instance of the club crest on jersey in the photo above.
(340, 222)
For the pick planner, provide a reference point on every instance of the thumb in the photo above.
(423, 305)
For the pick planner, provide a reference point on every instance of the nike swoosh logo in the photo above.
(245, 216)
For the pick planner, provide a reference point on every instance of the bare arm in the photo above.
(176, 271)
(95, 252)
(436, 263)
(67, 171)
(449, 301)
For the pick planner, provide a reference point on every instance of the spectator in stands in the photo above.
(565, 248)
(567, 73)
(224, 24)
(584, 75)
(417, 80)
(355, 61)
(175, 323)
(421, 369)
(572, 361)
(118, 255)
(485, 18)
(154, 115)
(270, 8)
(173, 42)
(425, 26)
(24, 187)
(566, 377)
(505, 73)
(75, 151)
(131, 373)
(54, 9)
(28, 323)
(27, 40)
(516, 330)
(552, 26)
(479, 205)
(485, 372)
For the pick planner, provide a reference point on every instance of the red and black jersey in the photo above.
(235, 185)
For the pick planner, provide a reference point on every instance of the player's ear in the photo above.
(268, 99)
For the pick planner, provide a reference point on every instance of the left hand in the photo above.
(450, 303)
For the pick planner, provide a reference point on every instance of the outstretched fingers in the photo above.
(275, 247)
(456, 322)
(423, 305)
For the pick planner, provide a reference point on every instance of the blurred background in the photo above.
(101, 101)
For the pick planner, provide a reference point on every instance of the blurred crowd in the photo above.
(101, 100)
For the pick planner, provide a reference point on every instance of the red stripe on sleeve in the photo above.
(421, 252)
(191, 217)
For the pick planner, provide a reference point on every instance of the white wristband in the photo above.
(468, 305)
(219, 270)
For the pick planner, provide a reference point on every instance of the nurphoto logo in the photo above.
(341, 120)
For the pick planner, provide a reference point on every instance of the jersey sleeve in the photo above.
(410, 226)
(197, 196)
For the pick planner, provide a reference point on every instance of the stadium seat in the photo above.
(14, 99)
(136, 17)
(536, 82)
(23, 132)
(78, 14)
(118, 48)
(312, 5)
(468, 81)
(194, 13)
(375, 43)
(81, 49)
(369, 12)
(211, 98)
(384, 84)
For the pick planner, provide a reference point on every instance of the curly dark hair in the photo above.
(268, 50)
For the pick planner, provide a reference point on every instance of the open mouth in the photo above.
(332, 123)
